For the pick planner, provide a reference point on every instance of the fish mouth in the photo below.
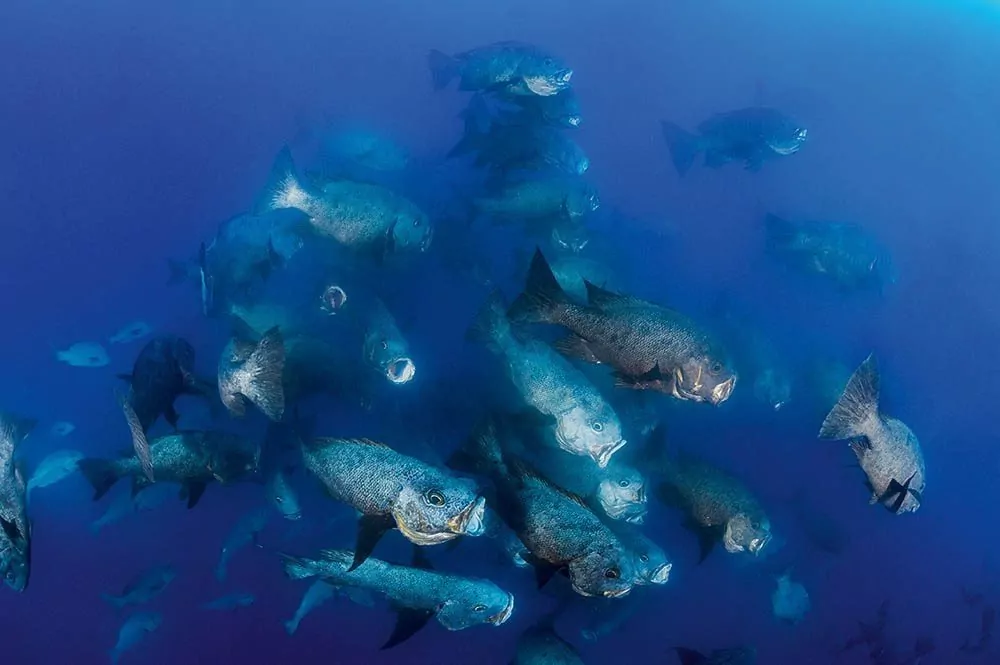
(721, 392)
(400, 371)
(425, 243)
(544, 87)
(471, 521)
(565, 75)
(661, 574)
(617, 593)
(582, 166)
(424, 538)
(757, 545)
(334, 298)
(294, 517)
(501, 617)
(604, 455)
(574, 121)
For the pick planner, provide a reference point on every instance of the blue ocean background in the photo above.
(132, 129)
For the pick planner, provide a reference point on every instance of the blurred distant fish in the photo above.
(541, 645)
(62, 428)
(392, 490)
(737, 656)
(385, 349)
(506, 148)
(540, 199)
(418, 593)
(318, 593)
(250, 372)
(55, 467)
(126, 504)
(144, 587)
(649, 347)
(751, 136)
(245, 532)
(15, 525)
(84, 354)
(560, 110)
(230, 602)
(135, 628)
(131, 333)
(790, 600)
(887, 450)
(513, 67)
(365, 148)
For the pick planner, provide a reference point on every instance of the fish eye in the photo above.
(597, 427)
(644, 558)
(416, 222)
(612, 573)
(435, 498)
(715, 367)
(385, 345)
(623, 483)
(479, 608)
(279, 499)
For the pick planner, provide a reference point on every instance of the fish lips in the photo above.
(400, 370)
(603, 456)
(721, 392)
(471, 521)
(501, 617)
(662, 574)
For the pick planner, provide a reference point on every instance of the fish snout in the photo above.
(400, 371)
(501, 617)
(661, 574)
(471, 521)
(603, 455)
(334, 298)
(721, 392)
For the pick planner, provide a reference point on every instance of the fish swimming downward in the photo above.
(252, 373)
(15, 526)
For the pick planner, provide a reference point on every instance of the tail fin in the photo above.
(542, 297)
(266, 365)
(296, 568)
(443, 68)
(283, 189)
(857, 407)
(101, 474)
(691, 657)
(491, 326)
(684, 146)
(780, 233)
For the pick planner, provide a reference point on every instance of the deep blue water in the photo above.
(130, 130)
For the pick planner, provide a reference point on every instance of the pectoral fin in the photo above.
(408, 623)
(371, 528)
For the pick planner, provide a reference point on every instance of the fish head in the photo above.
(544, 75)
(333, 299)
(592, 430)
(773, 388)
(569, 236)
(15, 565)
(283, 497)
(231, 459)
(581, 200)
(652, 566)
(605, 572)
(389, 354)
(412, 231)
(435, 507)
(703, 378)
(787, 138)
(747, 534)
(622, 493)
(475, 603)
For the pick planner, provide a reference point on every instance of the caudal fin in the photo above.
(101, 474)
(491, 326)
(857, 408)
(543, 296)
(684, 146)
(283, 189)
(443, 68)
(266, 366)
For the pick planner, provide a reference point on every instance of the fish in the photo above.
(505, 148)
(648, 346)
(15, 524)
(62, 428)
(513, 67)
(318, 593)
(887, 449)
(279, 453)
(366, 148)
(750, 136)
(191, 459)
(56, 466)
(366, 217)
(559, 110)
(540, 199)
(252, 373)
(143, 588)
(84, 354)
(541, 645)
(736, 656)
(417, 592)
(845, 254)
(790, 600)
(391, 490)
(559, 530)
(652, 565)
(283, 496)
(126, 504)
(987, 623)
(717, 505)
(162, 372)
(130, 333)
(385, 349)
(230, 602)
(132, 631)
(245, 532)
(608, 616)
(582, 420)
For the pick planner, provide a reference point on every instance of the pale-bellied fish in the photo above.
(391, 490)
(559, 530)
(385, 349)
(130, 333)
(133, 630)
(126, 504)
(540, 199)
(418, 593)
(55, 467)
(650, 347)
(583, 421)
(144, 587)
(62, 428)
(318, 593)
(84, 354)
(15, 525)
(515, 68)
(230, 602)
(252, 372)
(888, 451)
(245, 532)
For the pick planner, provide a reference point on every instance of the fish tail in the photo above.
(101, 474)
(296, 568)
(543, 297)
(491, 326)
(780, 233)
(266, 366)
(854, 412)
(291, 626)
(283, 189)
(443, 68)
(684, 146)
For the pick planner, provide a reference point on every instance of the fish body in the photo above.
(135, 628)
(513, 147)
(125, 504)
(541, 645)
(540, 199)
(318, 593)
(55, 467)
(84, 354)
(385, 349)
(887, 449)
(163, 371)
(252, 372)
(245, 532)
(130, 333)
(512, 67)
(584, 422)
(737, 656)
(456, 602)
(790, 600)
(649, 347)
(228, 603)
(750, 136)
(144, 587)
(15, 525)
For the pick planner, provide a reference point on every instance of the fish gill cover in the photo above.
(533, 332)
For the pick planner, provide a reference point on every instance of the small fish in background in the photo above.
(144, 587)
(318, 593)
(84, 354)
(62, 428)
(870, 635)
(987, 623)
(135, 628)
(363, 147)
(924, 646)
(245, 532)
(55, 467)
(737, 656)
(127, 504)
(385, 349)
(252, 372)
(230, 602)
(790, 600)
(130, 333)
(15, 525)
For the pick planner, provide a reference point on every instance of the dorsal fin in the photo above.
(601, 297)
(524, 470)
(367, 442)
